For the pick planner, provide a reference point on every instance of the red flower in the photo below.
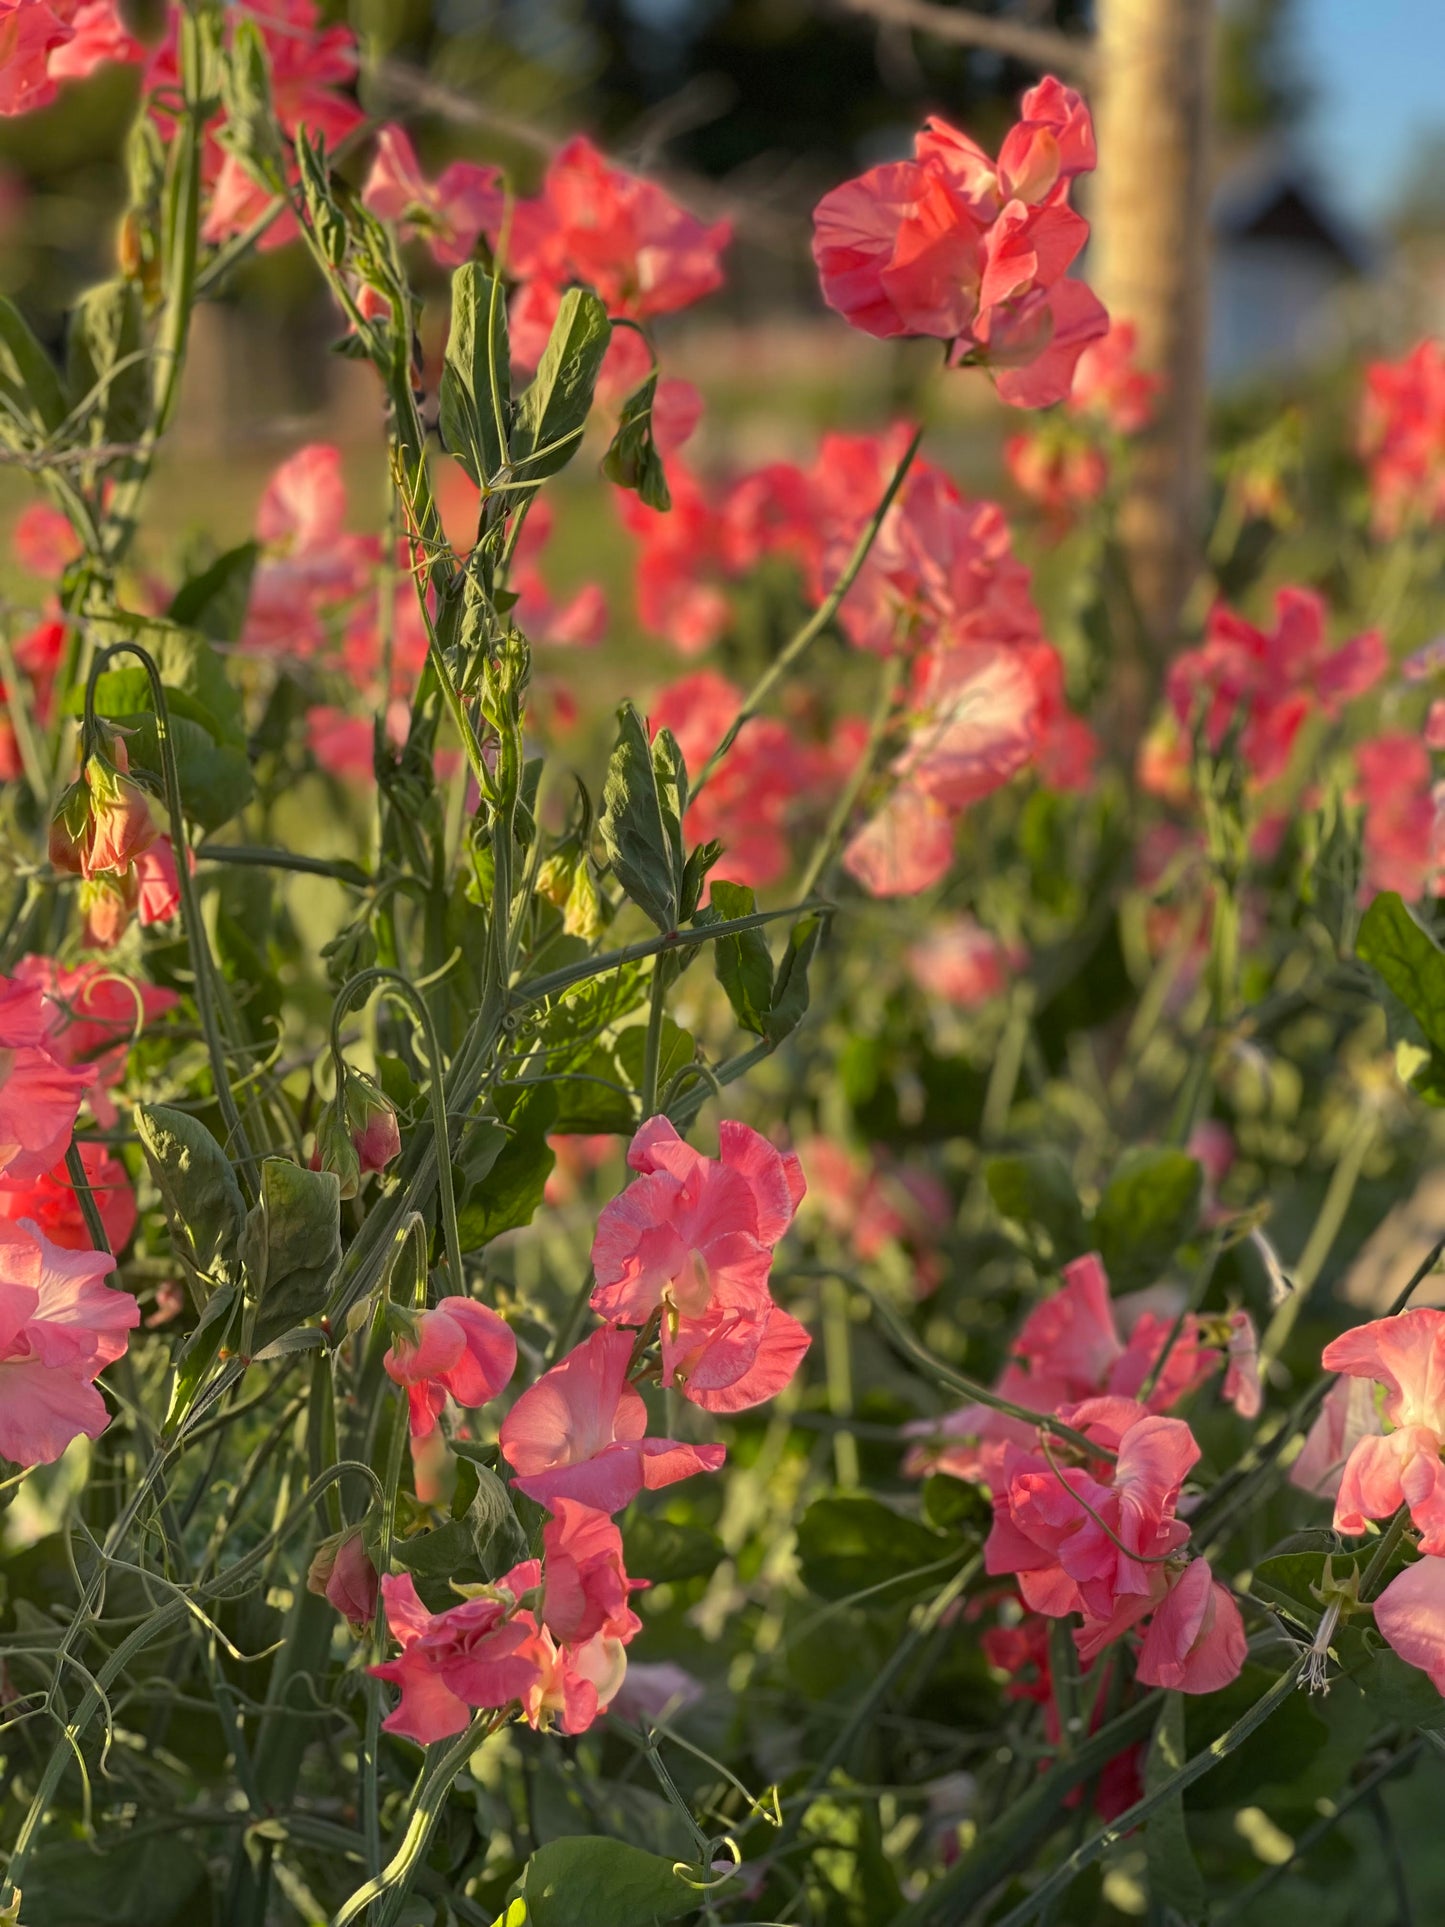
(50, 1204)
(1399, 838)
(972, 251)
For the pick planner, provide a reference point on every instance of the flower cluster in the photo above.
(1097, 1533)
(1401, 439)
(104, 833)
(973, 251)
(59, 1325)
(1065, 465)
(683, 1254)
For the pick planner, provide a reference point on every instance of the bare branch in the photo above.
(1042, 47)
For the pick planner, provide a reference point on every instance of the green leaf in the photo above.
(678, 1047)
(198, 1352)
(512, 1189)
(1148, 1209)
(215, 778)
(214, 602)
(743, 962)
(643, 797)
(632, 460)
(192, 674)
(790, 987)
(203, 1203)
(846, 1545)
(606, 1883)
(658, 1550)
(552, 410)
(29, 384)
(1175, 1882)
(291, 1246)
(476, 382)
(118, 1882)
(1411, 965)
(107, 368)
(1034, 1190)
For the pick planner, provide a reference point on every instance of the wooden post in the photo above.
(1149, 263)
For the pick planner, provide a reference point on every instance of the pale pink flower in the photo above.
(1350, 1412)
(580, 1433)
(59, 1328)
(574, 1682)
(460, 1348)
(98, 38)
(960, 963)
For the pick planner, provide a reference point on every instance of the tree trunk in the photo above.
(1149, 263)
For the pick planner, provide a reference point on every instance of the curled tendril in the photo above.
(687, 1874)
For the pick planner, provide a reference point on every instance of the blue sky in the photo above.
(1379, 71)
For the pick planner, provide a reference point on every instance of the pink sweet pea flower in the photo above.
(90, 1015)
(1351, 1412)
(1402, 439)
(691, 1227)
(573, 1683)
(59, 1328)
(343, 1574)
(309, 565)
(1399, 836)
(586, 1587)
(480, 1653)
(1050, 1520)
(30, 33)
(39, 1097)
(98, 39)
(973, 252)
(1242, 1388)
(1195, 1640)
(460, 1348)
(160, 884)
(960, 963)
(1407, 1356)
(623, 237)
(450, 212)
(1410, 1613)
(580, 1433)
(50, 1203)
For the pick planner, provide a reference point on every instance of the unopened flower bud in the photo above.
(70, 829)
(120, 812)
(343, 1573)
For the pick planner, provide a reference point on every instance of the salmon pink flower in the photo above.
(1270, 680)
(1402, 438)
(459, 1348)
(450, 212)
(1195, 1641)
(960, 963)
(747, 803)
(1410, 1614)
(585, 1585)
(98, 38)
(1069, 1350)
(91, 1015)
(31, 31)
(159, 882)
(309, 565)
(692, 1237)
(623, 237)
(342, 1573)
(580, 1433)
(51, 1205)
(1406, 1355)
(573, 1683)
(1399, 836)
(39, 1097)
(1350, 1412)
(973, 251)
(480, 1653)
(59, 1328)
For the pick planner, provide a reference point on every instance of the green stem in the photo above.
(652, 1043)
(827, 846)
(202, 963)
(407, 992)
(1063, 1877)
